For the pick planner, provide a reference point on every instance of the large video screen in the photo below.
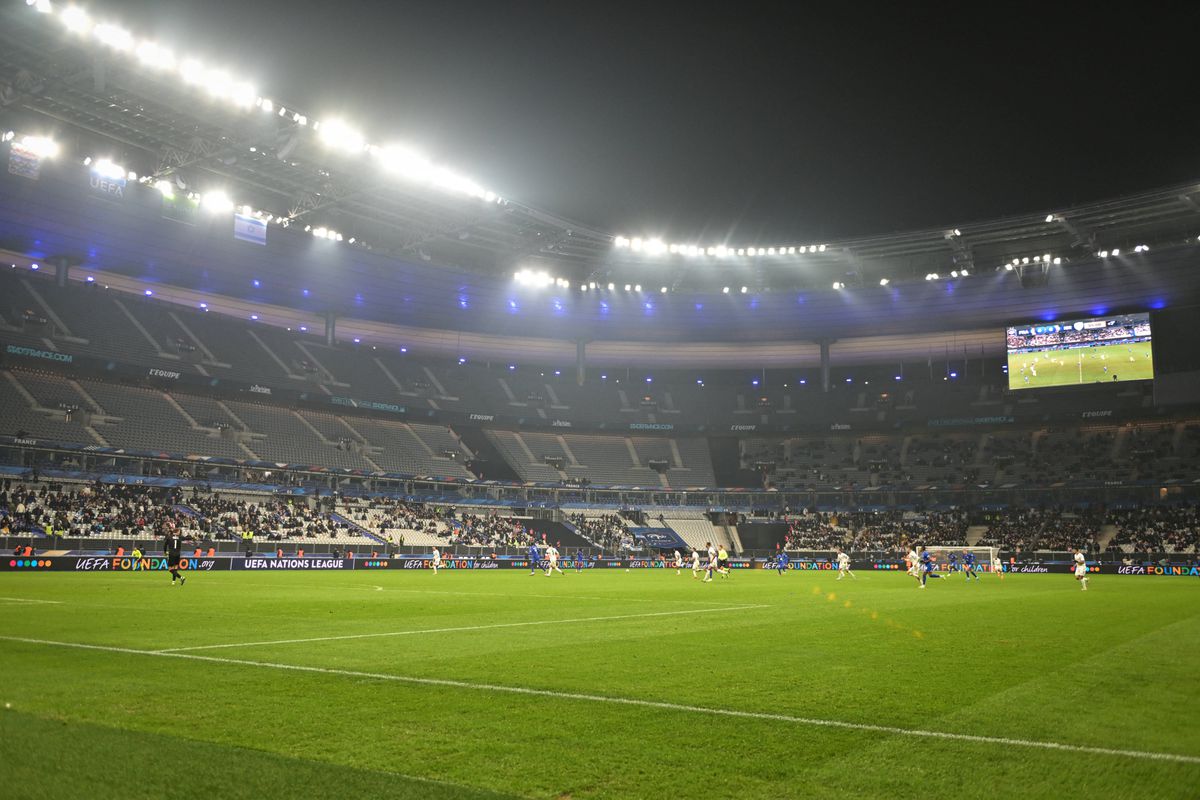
(1093, 350)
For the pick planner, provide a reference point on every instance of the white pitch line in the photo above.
(1144, 755)
(456, 629)
(30, 600)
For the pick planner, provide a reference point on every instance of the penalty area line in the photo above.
(457, 629)
(1143, 755)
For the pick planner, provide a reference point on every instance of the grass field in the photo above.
(605, 684)
(1081, 365)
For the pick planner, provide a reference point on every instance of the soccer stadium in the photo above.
(331, 467)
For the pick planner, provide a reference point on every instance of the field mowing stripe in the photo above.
(457, 629)
(29, 600)
(635, 702)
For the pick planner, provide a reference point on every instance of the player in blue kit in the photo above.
(535, 557)
(969, 565)
(953, 562)
(781, 562)
(927, 567)
(579, 560)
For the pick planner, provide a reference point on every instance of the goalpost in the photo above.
(983, 556)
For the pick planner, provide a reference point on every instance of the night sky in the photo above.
(796, 122)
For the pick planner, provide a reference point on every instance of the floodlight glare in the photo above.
(725, 290)
(884, 281)
(216, 202)
(76, 20)
(153, 55)
(40, 146)
(114, 36)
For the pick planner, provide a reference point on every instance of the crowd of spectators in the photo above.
(607, 532)
(86, 510)
(815, 531)
(1166, 530)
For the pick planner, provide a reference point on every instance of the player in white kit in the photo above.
(998, 567)
(914, 563)
(844, 565)
(437, 560)
(695, 563)
(1081, 570)
(678, 563)
(552, 560)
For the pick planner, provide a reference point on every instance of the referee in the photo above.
(172, 545)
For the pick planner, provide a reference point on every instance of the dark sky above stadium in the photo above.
(791, 122)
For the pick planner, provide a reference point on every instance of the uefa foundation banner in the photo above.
(158, 563)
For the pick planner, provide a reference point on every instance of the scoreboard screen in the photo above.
(1078, 351)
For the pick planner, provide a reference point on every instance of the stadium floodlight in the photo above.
(770, 251)
(76, 20)
(663, 290)
(536, 278)
(791, 251)
(745, 289)
(839, 285)
(628, 287)
(957, 232)
(42, 6)
(216, 202)
(821, 248)
(1008, 267)
(953, 273)
(1116, 251)
(156, 56)
(1049, 218)
(963, 273)
(656, 246)
(40, 146)
(636, 244)
(114, 36)
(192, 72)
(1103, 254)
(674, 248)
(620, 242)
(741, 251)
(637, 287)
(612, 287)
(415, 167)
(884, 281)
(1057, 261)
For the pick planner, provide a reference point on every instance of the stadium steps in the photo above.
(29, 399)
(1107, 533)
(282, 366)
(326, 375)
(637, 462)
(555, 403)
(65, 332)
(388, 373)
(354, 526)
(209, 358)
(433, 380)
(158, 349)
(974, 534)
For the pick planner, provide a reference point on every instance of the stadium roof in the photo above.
(104, 93)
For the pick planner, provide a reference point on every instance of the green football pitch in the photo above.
(1100, 364)
(602, 684)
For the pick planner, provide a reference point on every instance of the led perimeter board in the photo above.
(1078, 351)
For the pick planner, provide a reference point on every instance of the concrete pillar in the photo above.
(330, 328)
(824, 343)
(62, 271)
(580, 362)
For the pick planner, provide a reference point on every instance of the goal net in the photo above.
(953, 558)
